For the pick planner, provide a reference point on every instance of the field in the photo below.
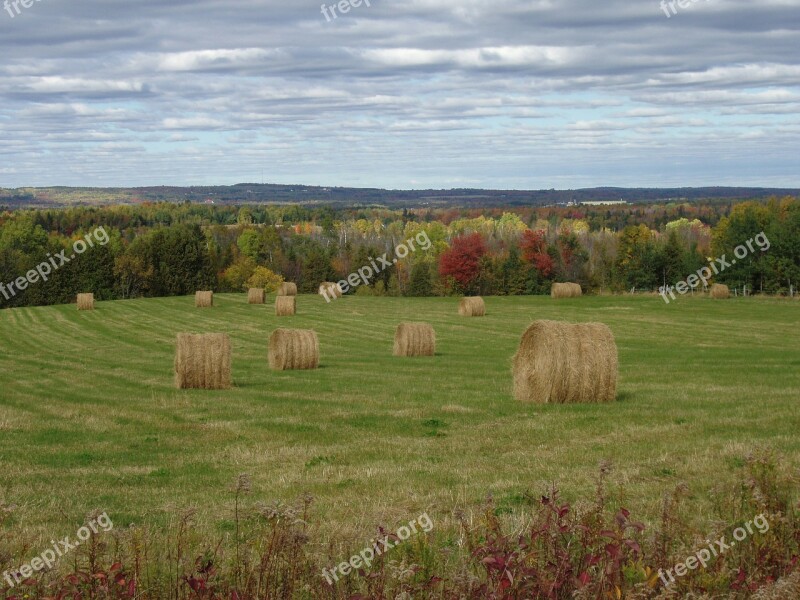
(89, 417)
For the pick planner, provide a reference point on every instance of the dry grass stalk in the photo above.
(291, 349)
(285, 306)
(782, 589)
(472, 307)
(566, 363)
(414, 339)
(203, 361)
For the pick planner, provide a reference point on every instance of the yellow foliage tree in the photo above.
(236, 276)
(262, 277)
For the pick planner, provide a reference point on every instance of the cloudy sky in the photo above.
(400, 94)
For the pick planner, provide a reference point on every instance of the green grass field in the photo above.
(89, 417)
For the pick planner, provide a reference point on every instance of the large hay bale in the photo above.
(720, 291)
(256, 296)
(472, 307)
(565, 290)
(85, 301)
(285, 306)
(204, 299)
(564, 363)
(414, 339)
(329, 290)
(291, 349)
(203, 361)
(287, 289)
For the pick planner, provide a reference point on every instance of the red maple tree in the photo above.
(462, 260)
(534, 250)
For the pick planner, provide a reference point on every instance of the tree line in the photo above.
(168, 249)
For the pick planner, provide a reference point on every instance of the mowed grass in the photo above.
(89, 417)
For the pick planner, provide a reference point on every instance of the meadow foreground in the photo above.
(90, 418)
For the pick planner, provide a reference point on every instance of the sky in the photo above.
(400, 94)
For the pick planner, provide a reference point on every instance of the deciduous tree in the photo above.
(462, 260)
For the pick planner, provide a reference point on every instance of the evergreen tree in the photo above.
(673, 261)
(421, 284)
(316, 269)
(513, 274)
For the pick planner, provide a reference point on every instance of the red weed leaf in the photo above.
(608, 533)
(633, 546)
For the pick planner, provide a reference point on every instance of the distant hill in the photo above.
(254, 193)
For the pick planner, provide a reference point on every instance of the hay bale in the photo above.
(285, 306)
(291, 349)
(203, 299)
(85, 301)
(564, 363)
(720, 291)
(472, 307)
(203, 361)
(566, 290)
(256, 296)
(331, 290)
(414, 339)
(287, 289)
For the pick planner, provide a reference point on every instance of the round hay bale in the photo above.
(285, 306)
(203, 299)
(472, 307)
(85, 301)
(720, 291)
(566, 290)
(203, 361)
(414, 339)
(291, 349)
(563, 363)
(329, 290)
(256, 296)
(287, 289)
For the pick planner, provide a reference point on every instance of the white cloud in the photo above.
(512, 93)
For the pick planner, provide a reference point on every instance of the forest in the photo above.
(160, 249)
